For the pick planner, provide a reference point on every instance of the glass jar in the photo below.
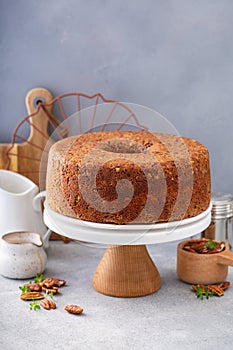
(221, 226)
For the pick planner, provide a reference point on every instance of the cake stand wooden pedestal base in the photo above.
(126, 271)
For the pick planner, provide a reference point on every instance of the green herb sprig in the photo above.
(34, 305)
(200, 293)
(211, 244)
(24, 289)
(39, 278)
(49, 295)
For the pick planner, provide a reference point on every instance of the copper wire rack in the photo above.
(52, 119)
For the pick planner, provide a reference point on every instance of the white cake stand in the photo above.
(126, 269)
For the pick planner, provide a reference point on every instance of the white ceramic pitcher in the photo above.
(22, 254)
(20, 204)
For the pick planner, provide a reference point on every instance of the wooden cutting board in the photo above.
(3, 158)
(25, 157)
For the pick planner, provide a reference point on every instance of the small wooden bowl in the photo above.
(197, 268)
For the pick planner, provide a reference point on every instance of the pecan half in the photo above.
(224, 285)
(48, 282)
(59, 283)
(31, 296)
(213, 288)
(48, 304)
(189, 249)
(34, 287)
(53, 290)
(53, 282)
(73, 309)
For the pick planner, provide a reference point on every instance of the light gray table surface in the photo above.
(172, 318)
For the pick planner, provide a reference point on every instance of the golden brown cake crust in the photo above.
(126, 177)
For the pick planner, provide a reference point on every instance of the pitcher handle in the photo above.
(37, 201)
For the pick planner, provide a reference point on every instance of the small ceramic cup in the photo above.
(196, 268)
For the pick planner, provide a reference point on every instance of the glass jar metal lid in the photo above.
(222, 205)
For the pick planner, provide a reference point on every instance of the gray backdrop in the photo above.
(174, 56)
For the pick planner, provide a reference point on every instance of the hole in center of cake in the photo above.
(122, 146)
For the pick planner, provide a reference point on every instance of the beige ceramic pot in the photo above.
(197, 268)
